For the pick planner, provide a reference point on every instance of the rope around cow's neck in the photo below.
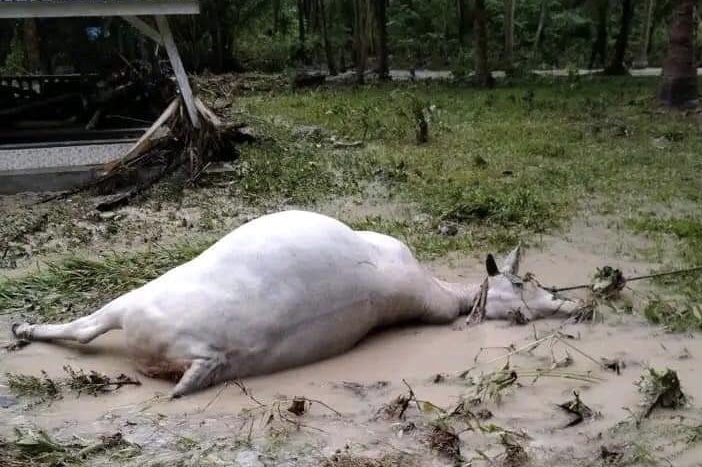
(629, 279)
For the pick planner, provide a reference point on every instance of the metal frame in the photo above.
(83, 8)
(129, 10)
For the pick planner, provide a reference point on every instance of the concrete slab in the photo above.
(47, 179)
(68, 156)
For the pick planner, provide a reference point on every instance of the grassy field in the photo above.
(504, 162)
(500, 165)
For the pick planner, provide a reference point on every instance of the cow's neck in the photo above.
(466, 294)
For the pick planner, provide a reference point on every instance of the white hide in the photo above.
(284, 290)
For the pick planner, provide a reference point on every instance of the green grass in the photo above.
(425, 241)
(501, 159)
(684, 313)
(78, 286)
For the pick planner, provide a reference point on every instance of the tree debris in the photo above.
(171, 143)
(36, 448)
(661, 390)
(492, 385)
(95, 383)
(444, 440)
(611, 455)
(613, 364)
(45, 389)
(347, 459)
(298, 406)
(15, 345)
(515, 455)
(579, 411)
(607, 282)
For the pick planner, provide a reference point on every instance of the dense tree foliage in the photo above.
(465, 36)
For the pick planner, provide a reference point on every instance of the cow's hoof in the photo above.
(22, 331)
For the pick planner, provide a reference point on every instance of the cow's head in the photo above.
(510, 294)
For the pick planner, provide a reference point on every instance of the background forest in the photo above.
(338, 35)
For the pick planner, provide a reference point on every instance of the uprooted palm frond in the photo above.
(171, 143)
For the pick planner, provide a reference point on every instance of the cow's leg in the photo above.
(203, 372)
(82, 330)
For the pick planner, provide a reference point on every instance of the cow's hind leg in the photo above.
(203, 373)
(82, 330)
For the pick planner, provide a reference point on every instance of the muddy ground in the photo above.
(249, 425)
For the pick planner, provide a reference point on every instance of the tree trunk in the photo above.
(463, 21)
(302, 54)
(509, 36)
(381, 19)
(483, 77)
(599, 47)
(617, 67)
(679, 82)
(30, 31)
(540, 27)
(276, 16)
(642, 60)
(328, 52)
(360, 37)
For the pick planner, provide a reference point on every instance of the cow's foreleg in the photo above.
(203, 372)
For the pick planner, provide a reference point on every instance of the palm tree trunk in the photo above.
(642, 60)
(679, 82)
(381, 19)
(483, 77)
(509, 36)
(617, 67)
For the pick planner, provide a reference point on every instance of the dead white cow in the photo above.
(284, 290)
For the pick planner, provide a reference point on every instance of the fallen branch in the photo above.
(477, 312)
(629, 279)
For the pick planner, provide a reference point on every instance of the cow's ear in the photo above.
(491, 266)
